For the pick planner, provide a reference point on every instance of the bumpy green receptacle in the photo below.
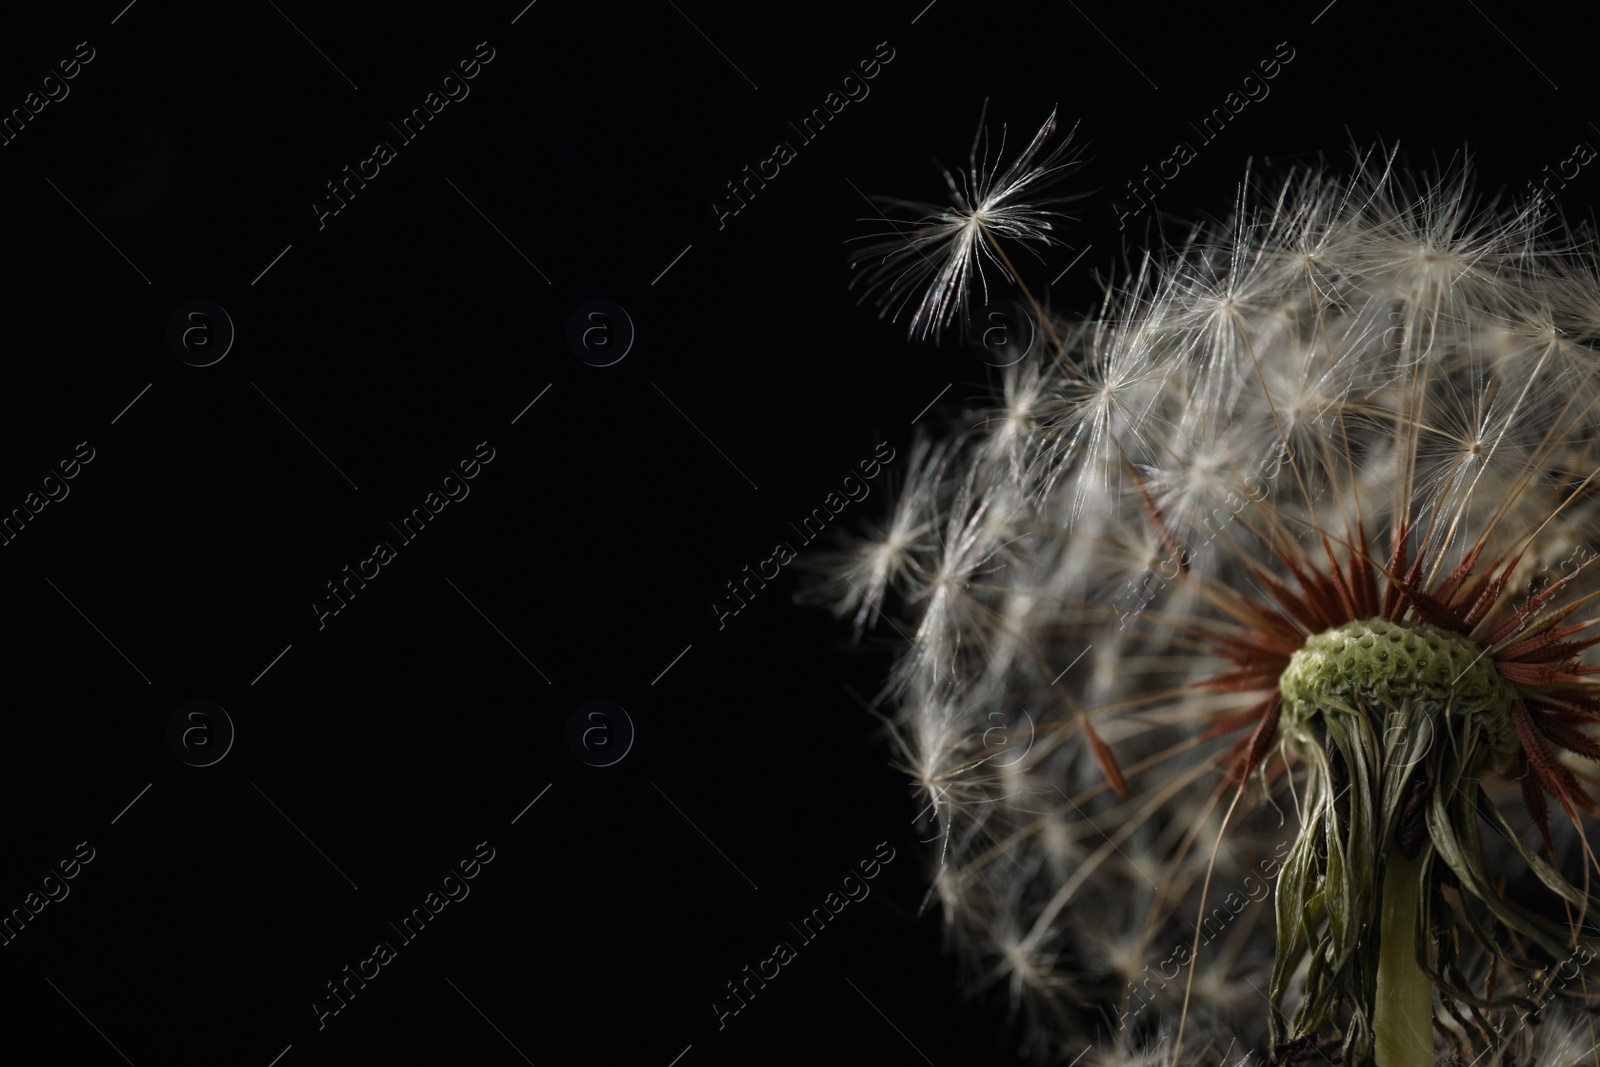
(1381, 713)
(1377, 664)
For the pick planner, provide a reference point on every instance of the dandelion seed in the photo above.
(856, 577)
(934, 261)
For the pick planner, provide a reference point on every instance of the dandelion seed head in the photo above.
(1360, 408)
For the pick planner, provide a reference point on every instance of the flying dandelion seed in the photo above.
(937, 259)
(1291, 551)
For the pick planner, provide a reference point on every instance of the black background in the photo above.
(376, 351)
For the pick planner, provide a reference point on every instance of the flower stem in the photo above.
(1402, 1021)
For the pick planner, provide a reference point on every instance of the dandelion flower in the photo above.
(1290, 552)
